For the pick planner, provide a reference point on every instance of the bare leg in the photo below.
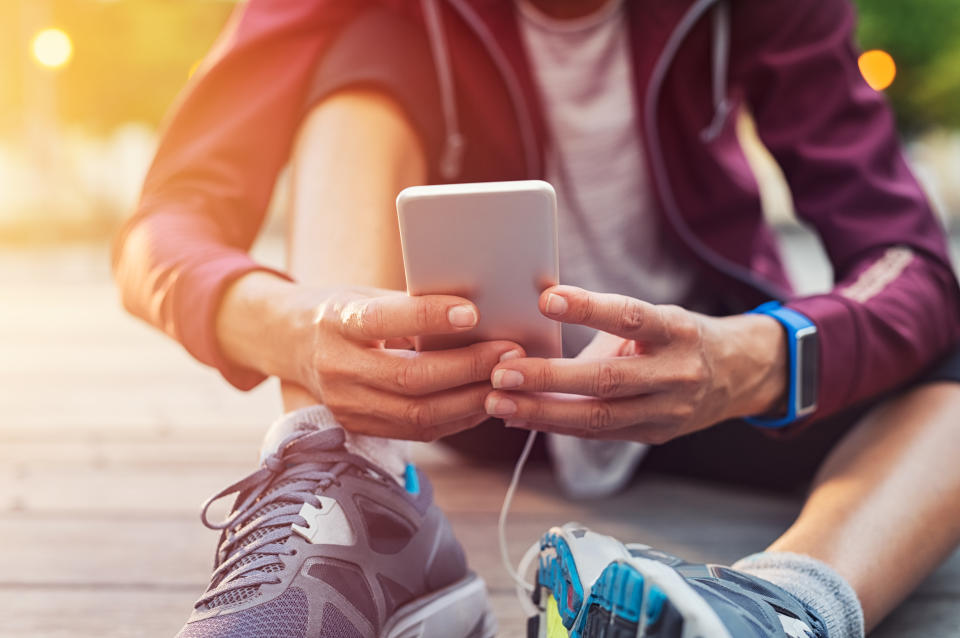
(883, 510)
(354, 153)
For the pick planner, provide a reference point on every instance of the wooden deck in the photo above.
(110, 437)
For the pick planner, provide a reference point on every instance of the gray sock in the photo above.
(815, 584)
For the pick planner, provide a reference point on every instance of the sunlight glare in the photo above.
(52, 48)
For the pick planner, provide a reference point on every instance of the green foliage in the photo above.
(923, 36)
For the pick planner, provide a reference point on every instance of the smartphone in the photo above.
(493, 243)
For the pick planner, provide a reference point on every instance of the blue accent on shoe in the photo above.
(655, 605)
(620, 591)
(559, 575)
(411, 479)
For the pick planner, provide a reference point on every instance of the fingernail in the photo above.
(462, 317)
(500, 406)
(556, 305)
(507, 379)
(515, 423)
(510, 354)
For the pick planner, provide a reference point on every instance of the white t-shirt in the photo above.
(610, 239)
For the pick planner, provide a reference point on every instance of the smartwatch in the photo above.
(803, 345)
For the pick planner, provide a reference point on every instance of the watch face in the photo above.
(808, 367)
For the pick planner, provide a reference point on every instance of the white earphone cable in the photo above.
(524, 589)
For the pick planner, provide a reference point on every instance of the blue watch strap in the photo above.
(795, 324)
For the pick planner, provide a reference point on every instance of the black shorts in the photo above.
(731, 452)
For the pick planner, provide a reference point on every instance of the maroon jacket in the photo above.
(895, 306)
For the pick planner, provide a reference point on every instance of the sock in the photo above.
(391, 455)
(813, 583)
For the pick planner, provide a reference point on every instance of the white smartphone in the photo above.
(493, 243)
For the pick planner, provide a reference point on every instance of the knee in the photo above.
(357, 115)
(938, 395)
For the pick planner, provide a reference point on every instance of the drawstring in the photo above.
(451, 157)
(720, 55)
(658, 170)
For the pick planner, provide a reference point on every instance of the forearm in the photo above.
(173, 269)
(892, 315)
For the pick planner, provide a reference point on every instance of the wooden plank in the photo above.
(921, 616)
(110, 436)
(108, 483)
(116, 612)
(159, 610)
(58, 402)
(125, 612)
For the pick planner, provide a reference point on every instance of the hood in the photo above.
(451, 159)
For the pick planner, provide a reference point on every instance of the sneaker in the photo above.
(321, 543)
(592, 586)
(588, 468)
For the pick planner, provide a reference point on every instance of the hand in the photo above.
(353, 354)
(653, 372)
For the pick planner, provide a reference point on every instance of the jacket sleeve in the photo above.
(895, 306)
(205, 196)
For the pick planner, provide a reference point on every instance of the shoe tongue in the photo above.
(313, 419)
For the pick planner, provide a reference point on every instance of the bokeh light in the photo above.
(52, 48)
(878, 69)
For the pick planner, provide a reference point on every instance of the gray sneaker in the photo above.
(320, 543)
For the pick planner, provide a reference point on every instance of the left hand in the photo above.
(653, 372)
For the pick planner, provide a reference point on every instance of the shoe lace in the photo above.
(268, 504)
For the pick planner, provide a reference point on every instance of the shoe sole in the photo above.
(625, 601)
(461, 609)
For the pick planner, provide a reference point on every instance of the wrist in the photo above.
(260, 321)
(759, 365)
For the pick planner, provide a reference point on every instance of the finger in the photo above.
(578, 413)
(650, 433)
(399, 343)
(419, 373)
(605, 378)
(579, 432)
(395, 316)
(389, 428)
(433, 415)
(617, 314)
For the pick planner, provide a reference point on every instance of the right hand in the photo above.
(355, 358)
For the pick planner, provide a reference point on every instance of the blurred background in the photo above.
(84, 86)
(110, 435)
